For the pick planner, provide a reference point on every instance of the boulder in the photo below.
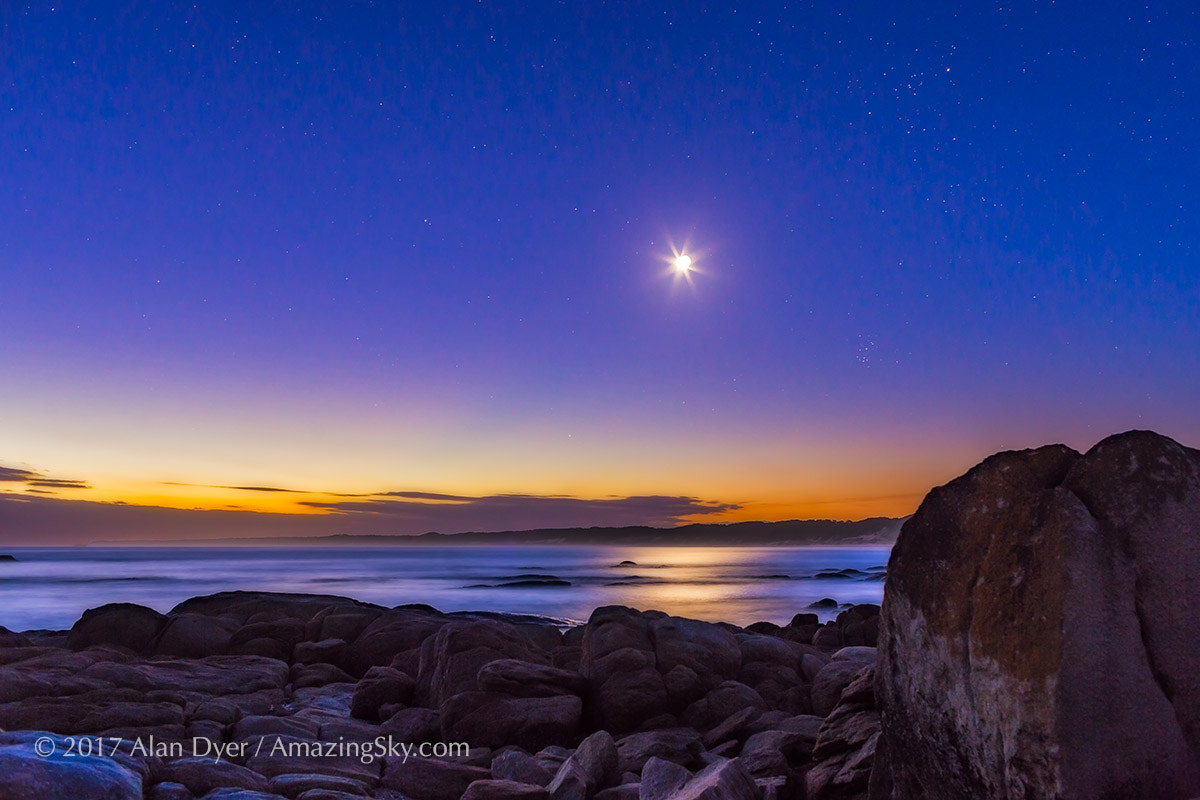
(201, 775)
(1039, 636)
(384, 637)
(414, 725)
(528, 679)
(117, 624)
(194, 636)
(25, 773)
(451, 659)
(723, 780)
(662, 778)
(844, 754)
(431, 779)
(830, 681)
(303, 784)
(504, 790)
(494, 720)
(381, 686)
(619, 663)
(678, 745)
(515, 765)
(593, 766)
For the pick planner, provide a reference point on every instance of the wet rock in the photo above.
(202, 775)
(26, 775)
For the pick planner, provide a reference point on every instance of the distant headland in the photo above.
(873, 531)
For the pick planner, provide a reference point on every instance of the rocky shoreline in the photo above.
(630, 705)
(1038, 639)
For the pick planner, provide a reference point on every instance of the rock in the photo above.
(168, 791)
(256, 726)
(722, 702)
(678, 745)
(326, 651)
(830, 681)
(431, 779)
(290, 755)
(504, 790)
(202, 775)
(379, 687)
(117, 624)
(662, 778)
(452, 658)
(569, 783)
(733, 725)
(528, 679)
(596, 757)
(828, 636)
(844, 754)
(724, 780)
(1046, 599)
(307, 676)
(618, 660)
(300, 784)
(627, 791)
(193, 636)
(494, 720)
(25, 775)
(241, 794)
(775, 752)
(414, 725)
(392, 632)
(516, 765)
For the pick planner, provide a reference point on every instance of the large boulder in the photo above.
(643, 667)
(494, 720)
(121, 624)
(29, 770)
(1039, 629)
(452, 658)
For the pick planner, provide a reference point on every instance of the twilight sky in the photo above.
(409, 261)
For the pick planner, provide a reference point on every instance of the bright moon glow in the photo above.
(683, 263)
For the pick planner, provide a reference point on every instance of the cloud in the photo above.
(17, 475)
(523, 511)
(40, 479)
(58, 483)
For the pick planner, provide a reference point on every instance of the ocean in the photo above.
(50, 587)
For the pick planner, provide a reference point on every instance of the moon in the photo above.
(683, 263)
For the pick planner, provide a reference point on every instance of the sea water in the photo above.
(50, 587)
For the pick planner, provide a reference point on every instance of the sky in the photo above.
(376, 267)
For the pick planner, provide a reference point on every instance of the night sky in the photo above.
(418, 254)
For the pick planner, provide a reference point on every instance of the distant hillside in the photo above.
(874, 531)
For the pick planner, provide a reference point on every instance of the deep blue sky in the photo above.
(365, 247)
